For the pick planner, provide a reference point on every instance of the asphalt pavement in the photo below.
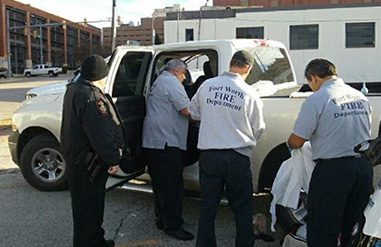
(30, 218)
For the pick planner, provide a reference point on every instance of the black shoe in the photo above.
(110, 243)
(179, 233)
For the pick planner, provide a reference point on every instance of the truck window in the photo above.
(194, 59)
(271, 64)
(130, 75)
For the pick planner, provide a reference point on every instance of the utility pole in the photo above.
(9, 72)
(153, 29)
(199, 20)
(113, 27)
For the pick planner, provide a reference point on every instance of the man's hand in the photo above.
(185, 112)
(113, 169)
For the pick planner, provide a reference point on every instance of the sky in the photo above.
(95, 10)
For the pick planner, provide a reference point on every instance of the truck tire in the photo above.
(43, 165)
(51, 73)
(28, 74)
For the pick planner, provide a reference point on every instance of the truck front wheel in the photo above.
(51, 73)
(43, 165)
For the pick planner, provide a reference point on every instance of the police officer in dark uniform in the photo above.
(91, 142)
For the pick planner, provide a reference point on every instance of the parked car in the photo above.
(42, 69)
(3, 72)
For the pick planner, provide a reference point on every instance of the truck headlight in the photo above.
(30, 95)
(14, 127)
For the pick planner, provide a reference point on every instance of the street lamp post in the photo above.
(39, 25)
(9, 72)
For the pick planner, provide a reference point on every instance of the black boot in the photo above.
(179, 233)
(110, 243)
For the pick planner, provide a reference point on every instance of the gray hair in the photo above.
(175, 64)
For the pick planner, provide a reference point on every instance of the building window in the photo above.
(249, 32)
(304, 37)
(359, 35)
(189, 35)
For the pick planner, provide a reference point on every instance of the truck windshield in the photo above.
(271, 64)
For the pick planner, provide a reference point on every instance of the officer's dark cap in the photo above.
(244, 56)
(94, 68)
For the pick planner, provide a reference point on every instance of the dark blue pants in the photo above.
(339, 192)
(88, 201)
(166, 171)
(220, 169)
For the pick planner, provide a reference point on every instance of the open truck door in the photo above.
(126, 85)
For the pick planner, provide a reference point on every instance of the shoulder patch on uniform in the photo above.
(101, 107)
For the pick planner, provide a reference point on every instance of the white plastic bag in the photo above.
(294, 174)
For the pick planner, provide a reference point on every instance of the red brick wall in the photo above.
(264, 3)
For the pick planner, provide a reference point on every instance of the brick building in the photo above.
(287, 3)
(141, 33)
(58, 46)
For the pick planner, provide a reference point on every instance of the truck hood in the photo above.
(54, 88)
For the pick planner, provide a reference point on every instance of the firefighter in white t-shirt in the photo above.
(334, 119)
(231, 122)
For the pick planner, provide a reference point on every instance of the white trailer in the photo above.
(345, 34)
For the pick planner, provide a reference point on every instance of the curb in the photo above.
(5, 124)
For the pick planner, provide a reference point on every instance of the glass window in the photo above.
(130, 75)
(189, 35)
(271, 64)
(249, 32)
(359, 35)
(304, 37)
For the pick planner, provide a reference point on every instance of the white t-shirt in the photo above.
(335, 119)
(230, 112)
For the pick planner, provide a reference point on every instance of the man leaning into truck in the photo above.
(165, 131)
(231, 122)
(91, 139)
(334, 119)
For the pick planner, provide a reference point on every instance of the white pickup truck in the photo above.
(42, 69)
(34, 144)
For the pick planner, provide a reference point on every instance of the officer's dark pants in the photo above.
(166, 171)
(220, 168)
(339, 191)
(87, 201)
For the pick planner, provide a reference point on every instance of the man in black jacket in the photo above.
(91, 142)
